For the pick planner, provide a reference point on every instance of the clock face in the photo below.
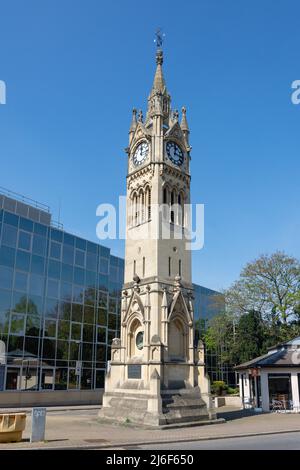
(140, 153)
(140, 340)
(174, 153)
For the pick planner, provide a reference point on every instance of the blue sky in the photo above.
(74, 70)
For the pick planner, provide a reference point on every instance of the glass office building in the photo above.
(59, 308)
(59, 303)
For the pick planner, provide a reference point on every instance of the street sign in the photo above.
(38, 424)
(254, 372)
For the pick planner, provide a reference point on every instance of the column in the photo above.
(265, 391)
(295, 390)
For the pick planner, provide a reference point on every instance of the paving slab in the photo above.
(82, 429)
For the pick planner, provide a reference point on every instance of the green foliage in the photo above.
(262, 310)
(232, 391)
(218, 387)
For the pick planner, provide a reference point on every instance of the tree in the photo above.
(249, 339)
(269, 285)
(219, 336)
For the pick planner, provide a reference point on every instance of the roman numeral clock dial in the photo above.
(174, 153)
(140, 153)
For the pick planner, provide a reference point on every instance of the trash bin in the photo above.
(12, 426)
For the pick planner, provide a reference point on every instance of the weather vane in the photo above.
(159, 38)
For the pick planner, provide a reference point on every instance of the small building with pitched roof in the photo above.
(272, 381)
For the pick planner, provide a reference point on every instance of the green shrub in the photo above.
(218, 387)
(232, 391)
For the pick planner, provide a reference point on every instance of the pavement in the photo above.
(80, 428)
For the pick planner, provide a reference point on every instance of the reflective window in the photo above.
(66, 273)
(89, 314)
(77, 311)
(91, 262)
(87, 352)
(9, 235)
(50, 328)
(55, 250)
(53, 288)
(7, 256)
(75, 331)
(23, 260)
(39, 245)
(102, 316)
(54, 269)
(11, 219)
(78, 294)
(86, 379)
(47, 379)
(68, 254)
(52, 308)
(101, 353)
(19, 302)
(112, 321)
(103, 268)
(37, 264)
(101, 334)
(79, 257)
(35, 304)
(24, 242)
(102, 299)
(73, 379)
(74, 351)
(32, 325)
(26, 224)
(88, 333)
(36, 284)
(4, 324)
(78, 276)
(17, 324)
(6, 277)
(61, 379)
(21, 281)
(31, 347)
(62, 350)
(63, 329)
(66, 291)
(49, 348)
(100, 375)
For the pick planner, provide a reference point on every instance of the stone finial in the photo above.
(147, 299)
(155, 375)
(184, 125)
(164, 303)
(175, 115)
(140, 116)
(133, 120)
(159, 57)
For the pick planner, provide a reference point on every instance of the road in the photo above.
(286, 441)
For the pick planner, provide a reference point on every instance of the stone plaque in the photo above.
(38, 423)
(134, 371)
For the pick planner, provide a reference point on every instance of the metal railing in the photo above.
(25, 199)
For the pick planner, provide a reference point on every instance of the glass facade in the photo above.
(59, 306)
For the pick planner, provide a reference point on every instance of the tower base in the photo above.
(171, 408)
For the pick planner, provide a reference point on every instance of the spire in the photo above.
(132, 125)
(159, 84)
(184, 125)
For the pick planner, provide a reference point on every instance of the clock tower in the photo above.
(156, 375)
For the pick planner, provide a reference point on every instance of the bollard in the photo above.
(38, 424)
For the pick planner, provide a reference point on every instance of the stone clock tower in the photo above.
(156, 376)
